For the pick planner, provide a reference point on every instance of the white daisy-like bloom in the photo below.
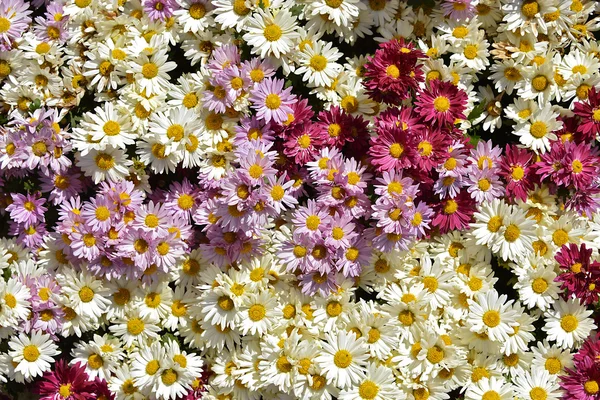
(536, 384)
(436, 280)
(538, 84)
(135, 328)
(108, 164)
(150, 72)
(97, 362)
(377, 384)
(490, 388)
(106, 126)
(551, 358)
(537, 133)
(527, 15)
(259, 313)
(537, 287)
(341, 12)
(473, 53)
(343, 359)
(14, 302)
(195, 15)
(33, 355)
(218, 308)
(146, 365)
(159, 156)
(489, 220)
(177, 373)
(318, 63)
(271, 33)
(232, 13)
(122, 385)
(578, 62)
(86, 294)
(569, 323)
(492, 314)
(173, 128)
(520, 110)
(516, 236)
(156, 301)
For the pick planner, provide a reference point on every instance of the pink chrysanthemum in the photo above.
(391, 149)
(579, 276)
(393, 73)
(442, 103)
(515, 168)
(27, 209)
(589, 112)
(454, 214)
(271, 101)
(66, 382)
(581, 382)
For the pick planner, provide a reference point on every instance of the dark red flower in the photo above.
(516, 169)
(589, 112)
(441, 103)
(454, 214)
(68, 382)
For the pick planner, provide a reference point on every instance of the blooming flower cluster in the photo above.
(316, 199)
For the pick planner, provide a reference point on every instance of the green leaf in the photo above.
(476, 112)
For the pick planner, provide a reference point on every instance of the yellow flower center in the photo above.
(512, 233)
(168, 377)
(135, 326)
(470, 51)
(342, 359)
(273, 101)
(441, 104)
(95, 361)
(31, 353)
(272, 32)
(257, 312)
(368, 390)
(530, 8)
(197, 10)
(491, 318)
(450, 207)
(392, 71)
(553, 365)
(318, 62)
(538, 129)
(569, 323)
(591, 387)
(539, 83)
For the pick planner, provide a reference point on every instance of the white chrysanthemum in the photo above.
(33, 355)
(122, 385)
(86, 294)
(146, 365)
(377, 384)
(106, 126)
(135, 328)
(150, 73)
(195, 15)
(537, 287)
(318, 63)
(516, 236)
(537, 133)
(492, 314)
(489, 388)
(174, 128)
(108, 164)
(259, 314)
(271, 33)
(341, 12)
(14, 302)
(343, 358)
(537, 384)
(569, 323)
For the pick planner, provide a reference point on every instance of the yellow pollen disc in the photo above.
(591, 387)
(342, 359)
(538, 129)
(368, 390)
(64, 390)
(135, 326)
(318, 62)
(151, 221)
(539, 285)
(313, 222)
(152, 367)
(517, 173)
(95, 361)
(104, 161)
(484, 184)
(102, 213)
(257, 312)
(577, 166)
(460, 32)
(540, 83)
(333, 308)
(435, 354)
(396, 150)
(225, 303)
(553, 365)
(86, 294)
(406, 317)
(560, 237)
(569, 323)
(450, 207)
(441, 104)
(197, 10)
(392, 71)
(491, 318)
(272, 32)
(273, 101)
(168, 377)
(31, 353)
(470, 51)
(512, 233)
(530, 8)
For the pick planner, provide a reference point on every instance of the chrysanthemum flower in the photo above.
(589, 112)
(271, 101)
(66, 382)
(27, 209)
(454, 213)
(441, 103)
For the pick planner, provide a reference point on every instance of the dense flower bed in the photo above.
(316, 199)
